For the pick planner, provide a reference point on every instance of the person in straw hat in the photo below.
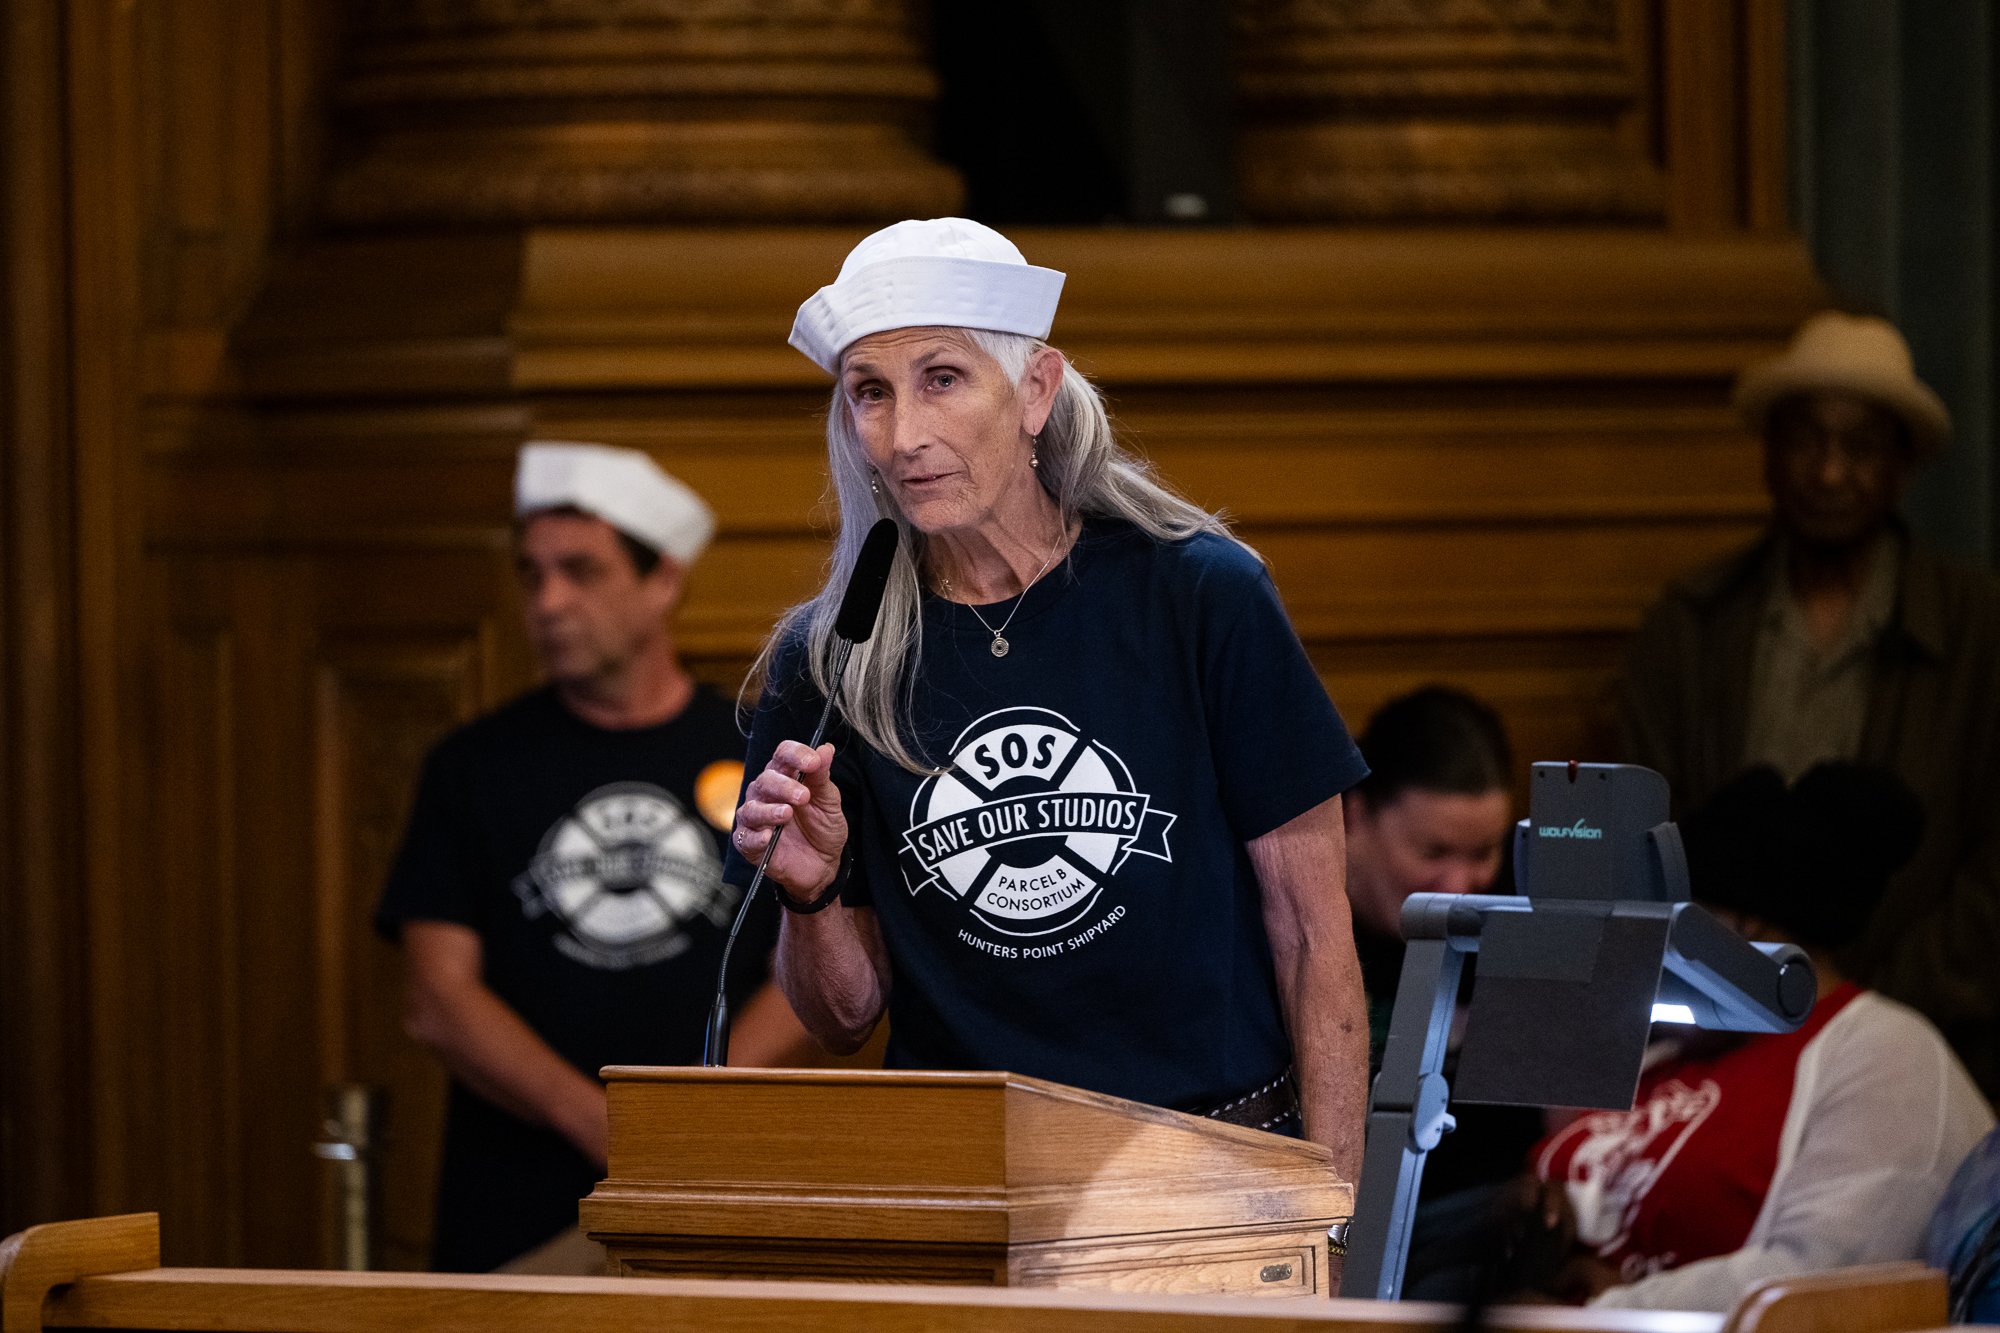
(1839, 636)
(1081, 815)
(559, 896)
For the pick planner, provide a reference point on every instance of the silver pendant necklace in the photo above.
(999, 645)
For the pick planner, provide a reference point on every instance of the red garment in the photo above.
(1683, 1174)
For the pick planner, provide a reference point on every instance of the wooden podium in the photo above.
(986, 1179)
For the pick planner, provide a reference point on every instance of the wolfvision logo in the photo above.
(1577, 830)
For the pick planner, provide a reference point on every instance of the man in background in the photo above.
(1838, 636)
(559, 895)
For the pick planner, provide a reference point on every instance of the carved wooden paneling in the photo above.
(1722, 74)
(44, 1043)
(200, 975)
(706, 312)
(1495, 111)
(1371, 110)
(183, 1049)
(379, 704)
(621, 110)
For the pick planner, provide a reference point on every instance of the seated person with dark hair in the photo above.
(1747, 1157)
(1432, 816)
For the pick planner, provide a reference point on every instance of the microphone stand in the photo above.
(715, 1045)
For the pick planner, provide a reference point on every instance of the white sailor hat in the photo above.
(945, 271)
(623, 487)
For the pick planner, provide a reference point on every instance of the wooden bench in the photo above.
(104, 1273)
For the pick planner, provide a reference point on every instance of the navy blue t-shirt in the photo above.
(580, 856)
(1073, 899)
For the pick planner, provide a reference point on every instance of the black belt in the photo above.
(1273, 1107)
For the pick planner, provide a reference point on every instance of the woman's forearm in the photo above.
(1301, 872)
(833, 968)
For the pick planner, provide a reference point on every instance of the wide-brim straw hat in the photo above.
(1854, 354)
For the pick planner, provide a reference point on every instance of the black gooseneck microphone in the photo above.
(853, 625)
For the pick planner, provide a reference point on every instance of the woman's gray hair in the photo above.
(1083, 468)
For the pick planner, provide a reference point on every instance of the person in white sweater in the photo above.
(1881, 1113)
(1750, 1158)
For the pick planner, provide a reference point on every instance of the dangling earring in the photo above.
(1034, 458)
(875, 482)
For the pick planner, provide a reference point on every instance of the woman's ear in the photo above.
(1039, 384)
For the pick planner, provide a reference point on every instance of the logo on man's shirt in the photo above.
(1025, 829)
(623, 872)
(1617, 1158)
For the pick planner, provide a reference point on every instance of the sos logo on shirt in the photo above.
(622, 872)
(1028, 825)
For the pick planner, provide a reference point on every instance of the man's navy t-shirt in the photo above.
(581, 858)
(1073, 900)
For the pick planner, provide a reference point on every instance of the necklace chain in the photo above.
(1000, 645)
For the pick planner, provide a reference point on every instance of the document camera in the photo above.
(1600, 943)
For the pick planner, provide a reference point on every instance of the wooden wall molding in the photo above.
(1583, 110)
(46, 1138)
(1371, 110)
(679, 309)
(194, 1090)
(510, 111)
(379, 703)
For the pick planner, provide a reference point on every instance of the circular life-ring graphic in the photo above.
(1029, 823)
(622, 872)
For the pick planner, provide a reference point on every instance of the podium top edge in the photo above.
(989, 1080)
(974, 1078)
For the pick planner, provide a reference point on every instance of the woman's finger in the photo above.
(764, 814)
(795, 758)
(777, 789)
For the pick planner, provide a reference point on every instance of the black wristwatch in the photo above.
(828, 896)
(821, 903)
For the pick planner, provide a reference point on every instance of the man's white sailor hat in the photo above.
(624, 487)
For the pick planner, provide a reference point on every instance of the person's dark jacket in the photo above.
(1933, 719)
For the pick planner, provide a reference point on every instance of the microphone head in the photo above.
(856, 620)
